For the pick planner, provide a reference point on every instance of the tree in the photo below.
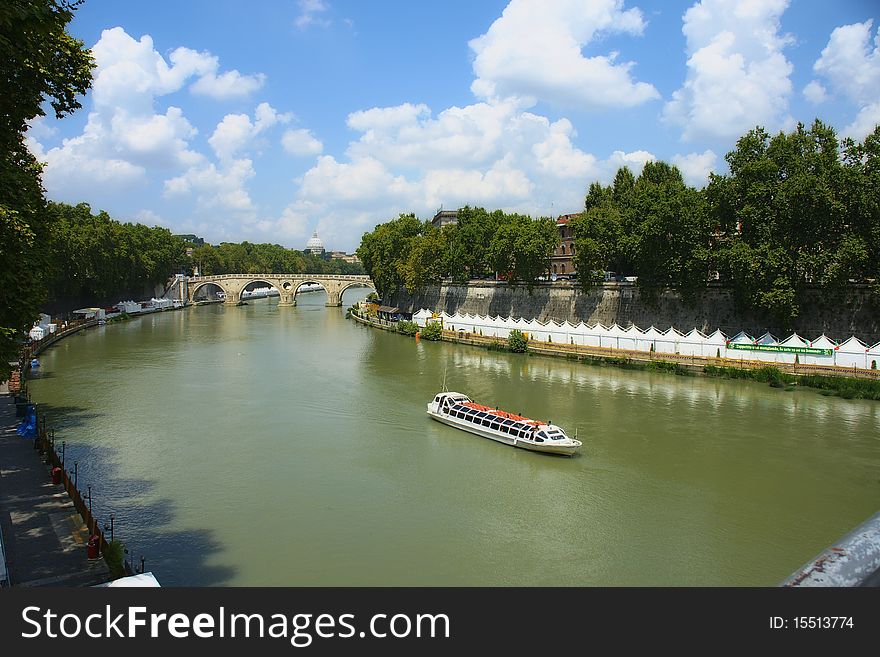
(669, 231)
(385, 250)
(426, 263)
(787, 211)
(39, 62)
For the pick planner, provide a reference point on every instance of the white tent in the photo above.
(593, 335)
(873, 357)
(852, 353)
(741, 338)
(422, 316)
(822, 342)
(611, 336)
(630, 338)
(767, 338)
(794, 340)
(715, 345)
(647, 339)
(691, 344)
(668, 343)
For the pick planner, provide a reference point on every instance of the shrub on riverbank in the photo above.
(432, 331)
(671, 368)
(114, 556)
(407, 327)
(517, 342)
(827, 385)
(497, 345)
(843, 386)
(768, 374)
(119, 318)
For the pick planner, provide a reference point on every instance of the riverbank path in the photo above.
(44, 537)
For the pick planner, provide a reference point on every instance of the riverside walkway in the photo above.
(44, 537)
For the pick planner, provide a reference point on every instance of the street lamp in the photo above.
(110, 527)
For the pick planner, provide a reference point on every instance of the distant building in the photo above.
(561, 262)
(345, 257)
(192, 239)
(445, 218)
(315, 246)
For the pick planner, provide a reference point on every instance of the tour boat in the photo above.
(457, 410)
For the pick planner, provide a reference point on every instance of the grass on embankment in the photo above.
(840, 386)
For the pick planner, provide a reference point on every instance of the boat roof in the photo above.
(503, 414)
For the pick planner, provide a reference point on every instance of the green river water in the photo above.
(258, 445)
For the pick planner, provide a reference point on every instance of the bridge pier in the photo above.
(333, 300)
(288, 300)
(232, 297)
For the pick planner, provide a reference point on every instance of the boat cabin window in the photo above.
(437, 399)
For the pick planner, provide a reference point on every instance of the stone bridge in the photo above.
(287, 284)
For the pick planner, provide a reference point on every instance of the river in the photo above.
(258, 445)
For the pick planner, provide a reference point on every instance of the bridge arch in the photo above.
(264, 280)
(367, 284)
(194, 291)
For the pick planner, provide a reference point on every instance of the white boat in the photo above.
(457, 410)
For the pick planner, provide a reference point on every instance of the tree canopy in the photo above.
(39, 62)
(408, 253)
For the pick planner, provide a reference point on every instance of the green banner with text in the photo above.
(779, 348)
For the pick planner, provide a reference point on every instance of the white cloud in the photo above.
(301, 142)
(852, 68)
(310, 12)
(125, 137)
(635, 160)
(866, 120)
(815, 92)
(850, 65)
(236, 132)
(150, 218)
(215, 187)
(696, 167)
(534, 51)
(231, 84)
(737, 74)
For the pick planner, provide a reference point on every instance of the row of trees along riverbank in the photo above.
(796, 209)
(93, 257)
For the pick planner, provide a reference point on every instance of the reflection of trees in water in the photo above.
(176, 557)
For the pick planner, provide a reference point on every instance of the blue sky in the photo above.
(266, 120)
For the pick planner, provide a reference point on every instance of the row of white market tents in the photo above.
(821, 351)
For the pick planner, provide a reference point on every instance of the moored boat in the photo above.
(457, 410)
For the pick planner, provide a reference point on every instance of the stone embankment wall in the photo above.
(837, 314)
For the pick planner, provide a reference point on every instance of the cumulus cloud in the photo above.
(534, 51)
(851, 67)
(125, 137)
(696, 167)
(301, 142)
(216, 187)
(231, 84)
(311, 13)
(815, 92)
(495, 154)
(738, 76)
(236, 132)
